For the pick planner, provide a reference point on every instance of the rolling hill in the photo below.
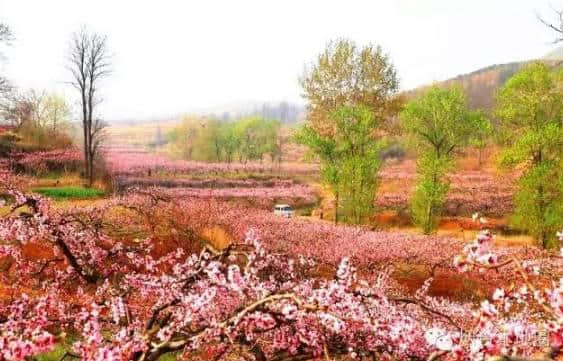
(481, 85)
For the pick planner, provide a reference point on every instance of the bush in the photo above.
(44, 139)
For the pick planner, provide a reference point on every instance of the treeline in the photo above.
(212, 140)
(284, 112)
(38, 120)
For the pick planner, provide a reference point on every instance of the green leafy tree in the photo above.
(430, 191)
(352, 96)
(349, 160)
(273, 141)
(530, 108)
(252, 138)
(209, 145)
(482, 134)
(230, 141)
(184, 138)
(42, 119)
(325, 149)
(438, 122)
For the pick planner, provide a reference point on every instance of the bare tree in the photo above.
(555, 24)
(89, 64)
(17, 110)
(5, 38)
(5, 32)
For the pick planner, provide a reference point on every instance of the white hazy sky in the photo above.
(177, 56)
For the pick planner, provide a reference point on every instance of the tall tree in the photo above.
(274, 141)
(530, 108)
(184, 137)
(324, 148)
(349, 160)
(58, 112)
(345, 74)
(253, 138)
(352, 94)
(438, 122)
(482, 133)
(89, 65)
(209, 143)
(229, 140)
(5, 38)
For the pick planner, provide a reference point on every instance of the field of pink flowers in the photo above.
(470, 191)
(297, 195)
(134, 162)
(280, 287)
(45, 161)
(327, 242)
(485, 191)
(200, 180)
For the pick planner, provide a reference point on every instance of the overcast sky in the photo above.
(179, 56)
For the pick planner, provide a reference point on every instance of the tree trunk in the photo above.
(542, 206)
(91, 171)
(336, 205)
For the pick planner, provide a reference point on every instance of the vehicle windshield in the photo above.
(283, 208)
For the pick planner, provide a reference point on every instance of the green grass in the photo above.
(54, 355)
(70, 192)
(60, 350)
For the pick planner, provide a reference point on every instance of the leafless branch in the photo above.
(556, 24)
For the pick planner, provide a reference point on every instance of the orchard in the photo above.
(109, 297)
(385, 216)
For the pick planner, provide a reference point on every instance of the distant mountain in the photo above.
(482, 85)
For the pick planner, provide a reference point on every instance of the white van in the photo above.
(283, 210)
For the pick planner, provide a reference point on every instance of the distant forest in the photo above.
(284, 112)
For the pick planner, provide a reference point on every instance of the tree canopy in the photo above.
(530, 109)
(438, 122)
(248, 139)
(349, 160)
(441, 120)
(346, 74)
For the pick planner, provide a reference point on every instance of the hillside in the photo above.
(481, 85)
